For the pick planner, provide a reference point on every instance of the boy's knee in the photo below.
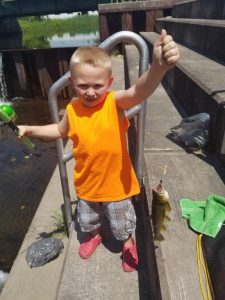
(88, 224)
(130, 222)
(87, 219)
(125, 227)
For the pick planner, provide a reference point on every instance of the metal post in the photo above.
(52, 101)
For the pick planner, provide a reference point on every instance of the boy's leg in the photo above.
(89, 216)
(122, 220)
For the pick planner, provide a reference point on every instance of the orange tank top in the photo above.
(103, 170)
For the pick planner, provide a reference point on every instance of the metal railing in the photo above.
(139, 110)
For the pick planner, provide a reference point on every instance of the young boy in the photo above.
(103, 176)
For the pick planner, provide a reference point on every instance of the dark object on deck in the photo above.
(43, 251)
(192, 132)
(214, 249)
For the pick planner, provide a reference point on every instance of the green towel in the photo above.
(204, 216)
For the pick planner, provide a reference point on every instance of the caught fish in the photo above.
(160, 206)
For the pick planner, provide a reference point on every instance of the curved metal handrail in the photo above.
(140, 110)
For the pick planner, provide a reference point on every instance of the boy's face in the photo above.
(91, 83)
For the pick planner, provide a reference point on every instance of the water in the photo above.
(51, 31)
(78, 40)
(3, 278)
(3, 89)
(23, 178)
(54, 41)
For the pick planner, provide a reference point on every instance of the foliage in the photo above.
(37, 31)
(60, 226)
(115, 52)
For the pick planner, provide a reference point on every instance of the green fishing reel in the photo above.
(8, 116)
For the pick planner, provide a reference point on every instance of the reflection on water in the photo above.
(38, 32)
(45, 32)
(23, 179)
(67, 40)
(3, 279)
(3, 89)
(55, 41)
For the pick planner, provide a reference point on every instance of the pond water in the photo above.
(23, 178)
(55, 40)
(77, 40)
(51, 31)
(3, 91)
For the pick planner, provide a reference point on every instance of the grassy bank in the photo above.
(36, 31)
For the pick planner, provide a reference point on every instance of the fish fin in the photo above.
(162, 227)
(167, 207)
(167, 218)
(159, 238)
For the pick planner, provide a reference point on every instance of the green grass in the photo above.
(60, 226)
(36, 31)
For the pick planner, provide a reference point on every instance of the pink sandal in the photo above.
(130, 258)
(88, 247)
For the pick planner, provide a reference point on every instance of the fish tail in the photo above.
(167, 206)
(159, 238)
(167, 218)
(162, 227)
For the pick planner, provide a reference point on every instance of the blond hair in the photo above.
(93, 56)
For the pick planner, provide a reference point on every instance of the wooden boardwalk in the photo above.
(188, 175)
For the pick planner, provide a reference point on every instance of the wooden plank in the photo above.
(192, 176)
(151, 16)
(127, 21)
(9, 74)
(188, 176)
(134, 6)
(91, 279)
(103, 26)
(30, 66)
(158, 13)
(150, 20)
(23, 85)
(63, 63)
(43, 74)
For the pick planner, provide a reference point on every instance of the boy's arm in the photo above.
(165, 56)
(51, 131)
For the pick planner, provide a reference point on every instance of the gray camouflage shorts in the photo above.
(121, 216)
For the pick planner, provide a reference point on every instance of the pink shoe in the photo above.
(88, 247)
(130, 258)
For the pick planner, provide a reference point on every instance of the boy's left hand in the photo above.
(165, 52)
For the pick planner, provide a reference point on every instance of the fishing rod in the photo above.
(8, 116)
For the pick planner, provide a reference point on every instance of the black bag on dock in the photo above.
(192, 132)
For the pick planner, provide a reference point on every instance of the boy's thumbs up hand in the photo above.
(165, 52)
